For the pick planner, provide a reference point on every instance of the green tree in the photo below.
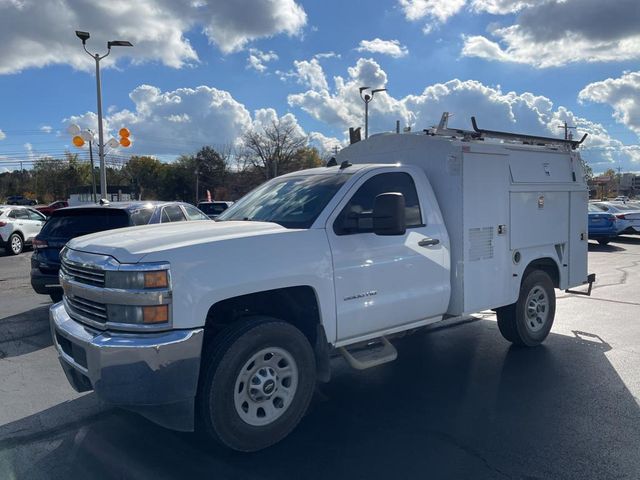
(145, 175)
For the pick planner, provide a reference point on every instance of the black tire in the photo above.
(218, 418)
(604, 241)
(56, 296)
(522, 329)
(15, 245)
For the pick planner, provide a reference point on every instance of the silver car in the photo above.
(18, 226)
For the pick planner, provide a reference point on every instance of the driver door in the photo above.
(384, 282)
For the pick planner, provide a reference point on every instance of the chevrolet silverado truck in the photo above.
(225, 327)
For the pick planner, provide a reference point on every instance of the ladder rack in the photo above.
(481, 134)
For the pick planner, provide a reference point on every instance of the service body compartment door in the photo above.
(578, 243)
(539, 218)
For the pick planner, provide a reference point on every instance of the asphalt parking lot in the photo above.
(459, 402)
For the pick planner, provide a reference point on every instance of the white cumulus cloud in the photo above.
(393, 48)
(175, 122)
(258, 59)
(38, 33)
(558, 32)
(2, 135)
(622, 94)
(524, 112)
(434, 12)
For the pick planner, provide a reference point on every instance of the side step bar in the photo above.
(370, 353)
(591, 278)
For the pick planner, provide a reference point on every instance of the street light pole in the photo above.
(93, 174)
(84, 36)
(366, 98)
(103, 170)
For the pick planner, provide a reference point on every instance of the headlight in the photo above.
(140, 315)
(132, 280)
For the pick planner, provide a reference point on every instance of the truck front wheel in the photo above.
(256, 384)
(529, 320)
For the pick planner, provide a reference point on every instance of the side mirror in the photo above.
(389, 214)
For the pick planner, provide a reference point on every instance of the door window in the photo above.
(19, 214)
(356, 216)
(172, 213)
(38, 217)
(193, 213)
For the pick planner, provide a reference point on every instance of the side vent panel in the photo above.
(480, 243)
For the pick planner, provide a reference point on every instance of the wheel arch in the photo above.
(547, 265)
(297, 305)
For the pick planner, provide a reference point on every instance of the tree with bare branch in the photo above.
(273, 149)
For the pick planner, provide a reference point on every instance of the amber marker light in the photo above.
(155, 314)
(156, 279)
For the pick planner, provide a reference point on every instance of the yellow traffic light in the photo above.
(125, 142)
(78, 141)
(124, 132)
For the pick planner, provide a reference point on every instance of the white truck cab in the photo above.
(227, 326)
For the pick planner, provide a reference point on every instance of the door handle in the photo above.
(428, 242)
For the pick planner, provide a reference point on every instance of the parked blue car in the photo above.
(604, 226)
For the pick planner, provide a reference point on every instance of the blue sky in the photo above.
(518, 65)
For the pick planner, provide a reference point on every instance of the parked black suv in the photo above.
(67, 223)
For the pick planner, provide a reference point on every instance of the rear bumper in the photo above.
(44, 283)
(154, 374)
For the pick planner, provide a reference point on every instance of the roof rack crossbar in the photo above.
(526, 138)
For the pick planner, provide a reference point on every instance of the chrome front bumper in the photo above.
(154, 374)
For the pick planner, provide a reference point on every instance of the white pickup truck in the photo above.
(226, 326)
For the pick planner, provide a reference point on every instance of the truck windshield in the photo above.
(293, 202)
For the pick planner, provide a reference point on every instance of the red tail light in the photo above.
(2, 224)
(37, 243)
(621, 216)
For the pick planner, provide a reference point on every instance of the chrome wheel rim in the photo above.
(265, 386)
(536, 309)
(16, 244)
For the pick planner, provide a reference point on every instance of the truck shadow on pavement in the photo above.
(458, 402)
(25, 333)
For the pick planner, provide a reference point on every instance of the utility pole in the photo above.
(566, 127)
(335, 150)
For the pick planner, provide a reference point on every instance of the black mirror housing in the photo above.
(389, 214)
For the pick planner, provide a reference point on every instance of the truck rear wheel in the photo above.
(256, 384)
(529, 320)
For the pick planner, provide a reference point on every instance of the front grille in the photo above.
(82, 309)
(83, 274)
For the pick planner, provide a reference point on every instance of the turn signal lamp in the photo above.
(155, 314)
(156, 279)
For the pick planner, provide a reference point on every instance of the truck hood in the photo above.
(130, 245)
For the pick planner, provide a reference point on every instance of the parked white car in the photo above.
(18, 226)
(622, 211)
